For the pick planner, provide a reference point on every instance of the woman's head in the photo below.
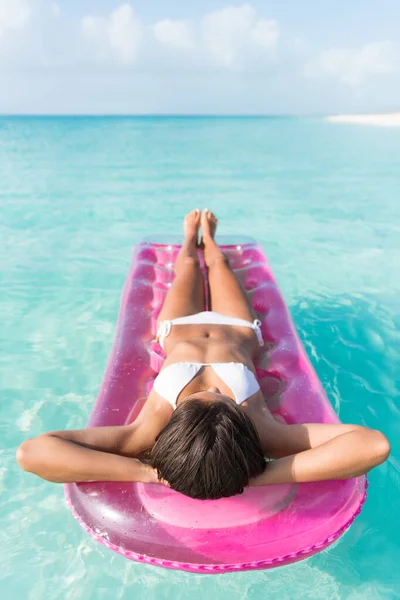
(209, 448)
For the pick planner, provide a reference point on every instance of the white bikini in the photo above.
(171, 380)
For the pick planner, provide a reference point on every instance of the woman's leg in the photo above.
(226, 292)
(186, 295)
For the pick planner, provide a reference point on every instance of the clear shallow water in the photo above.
(75, 195)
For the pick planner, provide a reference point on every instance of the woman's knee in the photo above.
(191, 260)
(221, 260)
(187, 262)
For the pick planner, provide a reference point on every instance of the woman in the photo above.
(205, 427)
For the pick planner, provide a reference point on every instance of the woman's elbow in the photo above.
(379, 447)
(26, 455)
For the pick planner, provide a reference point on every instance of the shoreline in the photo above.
(381, 120)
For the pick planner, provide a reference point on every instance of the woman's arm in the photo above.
(61, 460)
(347, 454)
(279, 440)
(97, 454)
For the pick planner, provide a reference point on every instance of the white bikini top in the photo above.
(171, 380)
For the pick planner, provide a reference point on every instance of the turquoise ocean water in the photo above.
(75, 195)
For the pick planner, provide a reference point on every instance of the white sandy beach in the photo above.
(382, 120)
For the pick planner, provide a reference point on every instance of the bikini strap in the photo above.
(163, 331)
(257, 328)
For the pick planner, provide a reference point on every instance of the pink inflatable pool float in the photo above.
(265, 526)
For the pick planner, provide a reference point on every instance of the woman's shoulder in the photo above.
(156, 411)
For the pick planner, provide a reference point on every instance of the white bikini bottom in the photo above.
(208, 317)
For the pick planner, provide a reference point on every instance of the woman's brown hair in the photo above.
(208, 450)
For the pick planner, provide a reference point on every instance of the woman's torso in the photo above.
(205, 343)
(209, 344)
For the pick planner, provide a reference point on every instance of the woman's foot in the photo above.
(191, 226)
(209, 225)
(212, 252)
(187, 254)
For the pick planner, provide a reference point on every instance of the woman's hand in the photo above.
(151, 476)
